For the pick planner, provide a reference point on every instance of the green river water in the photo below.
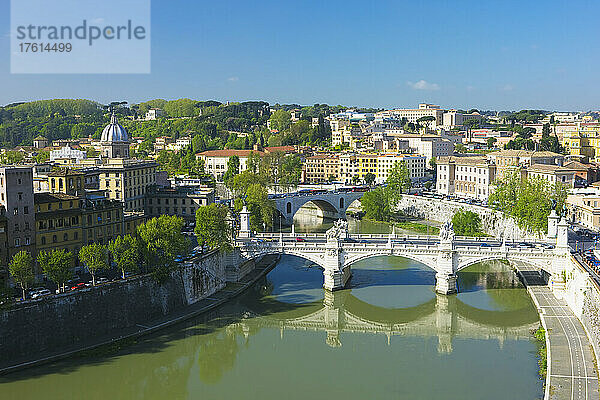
(388, 336)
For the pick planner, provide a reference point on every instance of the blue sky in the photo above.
(483, 54)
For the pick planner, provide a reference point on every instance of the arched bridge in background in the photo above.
(332, 204)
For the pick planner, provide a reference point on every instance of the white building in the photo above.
(414, 114)
(552, 173)
(154, 113)
(416, 165)
(453, 118)
(215, 161)
(468, 176)
(67, 152)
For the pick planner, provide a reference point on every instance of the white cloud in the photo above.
(423, 85)
(233, 79)
(470, 88)
(507, 88)
(98, 21)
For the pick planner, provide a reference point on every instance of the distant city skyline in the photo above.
(464, 54)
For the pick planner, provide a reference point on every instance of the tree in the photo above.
(528, 201)
(398, 182)
(57, 265)
(233, 168)
(95, 258)
(290, 171)
(466, 223)
(425, 121)
(162, 242)
(376, 205)
(491, 141)
(21, 269)
(369, 178)
(460, 148)
(124, 250)
(212, 227)
(260, 206)
(280, 120)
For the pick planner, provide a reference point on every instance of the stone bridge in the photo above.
(331, 204)
(443, 316)
(337, 250)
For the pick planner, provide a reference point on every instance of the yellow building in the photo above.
(367, 164)
(57, 222)
(127, 181)
(584, 141)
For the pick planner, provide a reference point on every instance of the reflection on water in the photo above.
(387, 336)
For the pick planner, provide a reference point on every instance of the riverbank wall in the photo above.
(39, 328)
(493, 222)
(582, 294)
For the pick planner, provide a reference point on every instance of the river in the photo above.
(387, 336)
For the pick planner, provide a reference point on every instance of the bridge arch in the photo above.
(544, 265)
(428, 261)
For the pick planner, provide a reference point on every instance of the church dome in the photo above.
(114, 132)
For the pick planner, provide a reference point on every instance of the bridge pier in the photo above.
(335, 276)
(445, 283)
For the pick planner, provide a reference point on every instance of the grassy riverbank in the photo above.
(417, 227)
(542, 352)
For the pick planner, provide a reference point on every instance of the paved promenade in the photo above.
(571, 369)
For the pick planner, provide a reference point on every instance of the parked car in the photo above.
(78, 286)
(101, 281)
(41, 293)
(300, 239)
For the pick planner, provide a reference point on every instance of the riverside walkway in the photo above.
(571, 370)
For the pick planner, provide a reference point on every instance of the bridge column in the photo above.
(245, 231)
(445, 279)
(560, 259)
(334, 274)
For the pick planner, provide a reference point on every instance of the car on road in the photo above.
(101, 281)
(485, 245)
(41, 293)
(300, 239)
(78, 286)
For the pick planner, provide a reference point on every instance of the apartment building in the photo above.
(414, 114)
(102, 220)
(583, 207)
(182, 202)
(16, 196)
(321, 168)
(552, 173)
(466, 176)
(348, 168)
(58, 223)
(416, 165)
(215, 161)
(512, 159)
(582, 139)
(127, 181)
(454, 118)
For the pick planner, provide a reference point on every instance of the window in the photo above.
(17, 242)
(26, 210)
(17, 228)
(16, 211)
(26, 226)
(43, 239)
(54, 239)
(27, 241)
(66, 237)
(20, 196)
(60, 205)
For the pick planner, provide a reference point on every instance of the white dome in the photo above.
(114, 132)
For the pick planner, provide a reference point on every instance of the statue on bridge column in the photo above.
(339, 230)
(447, 232)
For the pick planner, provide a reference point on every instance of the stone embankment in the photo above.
(494, 223)
(55, 326)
